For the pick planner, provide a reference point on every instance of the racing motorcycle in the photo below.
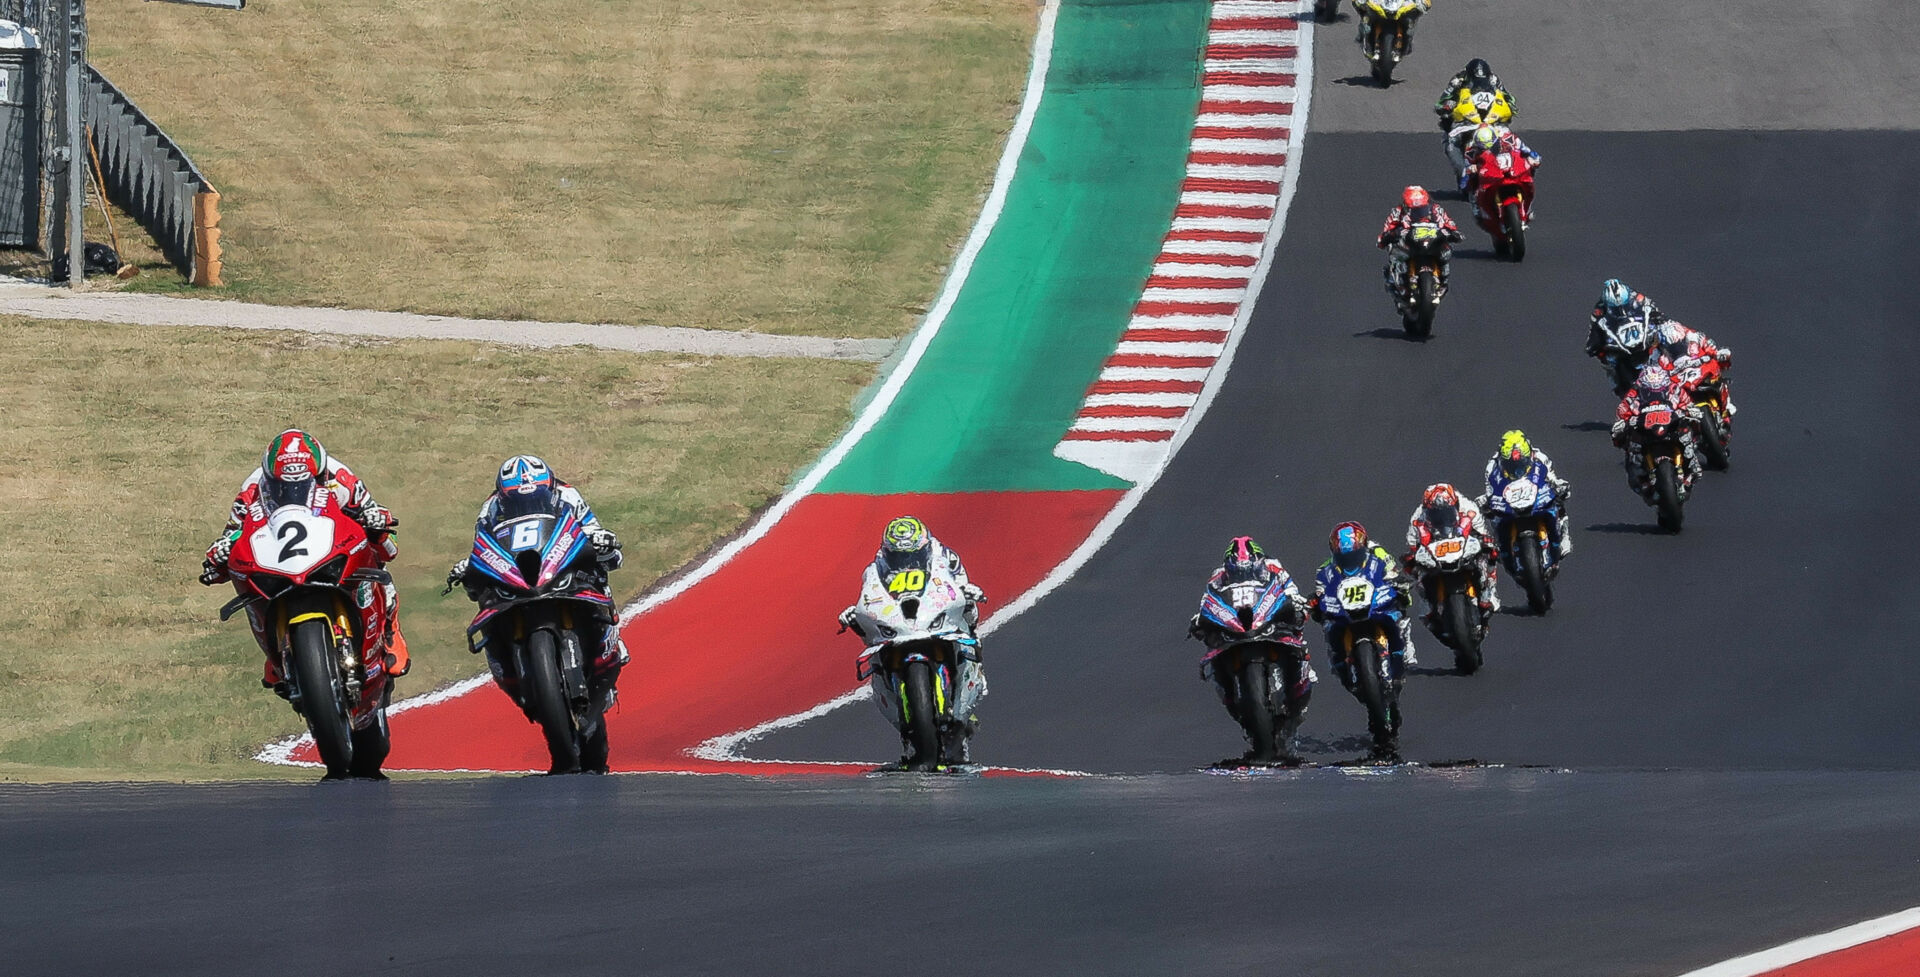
(1386, 34)
(1358, 614)
(1417, 287)
(1665, 480)
(1502, 194)
(1450, 581)
(1705, 381)
(1255, 656)
(1523, 512)
(545, 618)
(922, 658)
(1627, 349)
(309, 572)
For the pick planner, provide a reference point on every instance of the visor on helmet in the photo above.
(275, 492)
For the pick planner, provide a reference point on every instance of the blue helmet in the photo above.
(525, 485)
(1349, 545)
(1615, 294)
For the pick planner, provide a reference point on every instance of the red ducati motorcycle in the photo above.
(310, 574)
(1502, 194)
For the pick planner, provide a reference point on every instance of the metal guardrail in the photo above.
(145, 172)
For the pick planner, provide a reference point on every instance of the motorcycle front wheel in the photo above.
(1383, 55)
(547, 700)
(921, 717)
(1666, 495)
(1515, 231)
(1419, 324)
(1466, 649)
(1533, 578)
(1369, 686)
(322, 699)
(1713, 441)
(1256, 709)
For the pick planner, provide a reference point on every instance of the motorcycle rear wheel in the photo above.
(1466, 648)
(1370, 688)
(1533, 578)
(1666, 495)
(322, 701)
(922, 719)
(1713, 441)
(547, 700)
(1256, 709)
(1516, 232)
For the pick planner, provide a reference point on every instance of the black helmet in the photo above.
(1479, 73)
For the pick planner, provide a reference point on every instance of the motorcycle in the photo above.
(922, 659)
(1450, 582)
(1627, 350)
(1386, 34)
(1359, 626)
(309, 572)
(1256, 659)
(1502, 193)
(1665, 480)
(545, 615)
(1523, 512)
(1418, 288)
(1472, 108)
(1705, 381)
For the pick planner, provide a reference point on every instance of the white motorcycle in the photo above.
(922, 659)
(1450, 581)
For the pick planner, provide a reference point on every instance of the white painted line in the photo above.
(1168, 349)
(1192, 294)
(728, 747)
(1263, 66)
(1225, 9)
(1142, 400)
(1126, 423)
(1223, 32)
(1213, 198)
(1212, 119)
(1220, 323)
(1189, 269)
(1240, 248)
(1807, 948)
(1248, 145)
(1258, 225)
(1223, 171)
(1250, 93)
(1154, 373)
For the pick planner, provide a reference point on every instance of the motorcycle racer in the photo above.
(906, 544)
(1365, 34)
(296, 470)
(1655, 383)
(1416, 207)
(1352, 551)
(526, 485)
(1246, 562)
(1443, 506)
(1492, 139)
(1477, 76)
(1691, 348)
(1610, 324)
(1517, 458)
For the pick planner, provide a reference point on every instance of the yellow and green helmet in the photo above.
(1516, 453)
(905, 535)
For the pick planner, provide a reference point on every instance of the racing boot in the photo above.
(398, 662)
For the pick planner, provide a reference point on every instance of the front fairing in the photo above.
(908, 609)
(1363, 594)
(530, 554)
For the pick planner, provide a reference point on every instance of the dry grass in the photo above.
(120, 448)
(800, 167)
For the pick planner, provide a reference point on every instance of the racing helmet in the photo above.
(292, 466)
(905, 543)
(1516, 454)
(525, 486)
(1349, 545)
(1486, 139)
(1441, 505)
(1245, 560)
(1614, 294)
(1415, 196)
(1479, 73)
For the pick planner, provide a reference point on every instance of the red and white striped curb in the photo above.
(1236, 165)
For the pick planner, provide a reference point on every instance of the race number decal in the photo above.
(1632, 335)
(1448, 547)
(1356, 595)
(1658, 416)
(907, 582)
(1483, 100)
(526, 536)
(1520, 494)
(1423, 232)
(293, 541)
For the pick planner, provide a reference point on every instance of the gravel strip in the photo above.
(41, 302)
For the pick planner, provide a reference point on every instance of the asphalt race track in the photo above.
(1705, 749)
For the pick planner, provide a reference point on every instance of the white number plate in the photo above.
(1357, 595)
(293, 541)
(1520, 494)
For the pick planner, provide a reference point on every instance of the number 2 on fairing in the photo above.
(298, 534)
(907, 582)
(525, 536)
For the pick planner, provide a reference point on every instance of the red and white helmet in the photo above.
(1441, 505)
(1415, 197)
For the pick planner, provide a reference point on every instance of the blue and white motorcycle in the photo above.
(1523, 511)
(1361, 610)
